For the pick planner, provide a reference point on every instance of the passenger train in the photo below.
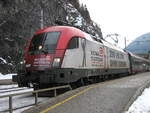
(64, 55)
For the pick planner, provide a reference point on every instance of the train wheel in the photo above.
(73, 85)
(102, 78)
(86, 81)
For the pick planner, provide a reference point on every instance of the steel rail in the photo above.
(13, 89)
(8, 88)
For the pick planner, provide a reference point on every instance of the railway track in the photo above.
(7, 90)
(11, 89)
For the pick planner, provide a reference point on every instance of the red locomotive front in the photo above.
(42, 51)
(44, 56)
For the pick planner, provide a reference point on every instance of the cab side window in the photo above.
(74, 43)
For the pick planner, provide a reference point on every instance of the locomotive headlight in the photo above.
(21, 62)
(56, 62)
(40, 47)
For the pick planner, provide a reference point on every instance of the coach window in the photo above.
(74, 43)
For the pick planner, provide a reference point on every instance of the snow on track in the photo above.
(14, 91)
(18, 101)
(8, 76)
(8, 86)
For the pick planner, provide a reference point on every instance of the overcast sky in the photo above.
(129, 18)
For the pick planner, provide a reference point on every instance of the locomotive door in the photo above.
(83, 44)
(75, 55)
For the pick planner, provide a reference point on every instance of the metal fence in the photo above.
(10, 109)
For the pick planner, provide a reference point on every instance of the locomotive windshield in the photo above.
(44, 43)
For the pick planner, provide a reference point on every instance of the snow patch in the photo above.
(7, 76)
(8, 86)
(8, 39)
(79, 21)
(3, 60)
(19, 101)
(142, 104)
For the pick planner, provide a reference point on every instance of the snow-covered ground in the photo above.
(18, 101)
(13, 91)
(3, 61)
(142, 104)
(7, 76)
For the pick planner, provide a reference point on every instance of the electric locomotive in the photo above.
(62, 55)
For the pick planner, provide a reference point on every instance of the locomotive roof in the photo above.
(107, 44)
(72, 31)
